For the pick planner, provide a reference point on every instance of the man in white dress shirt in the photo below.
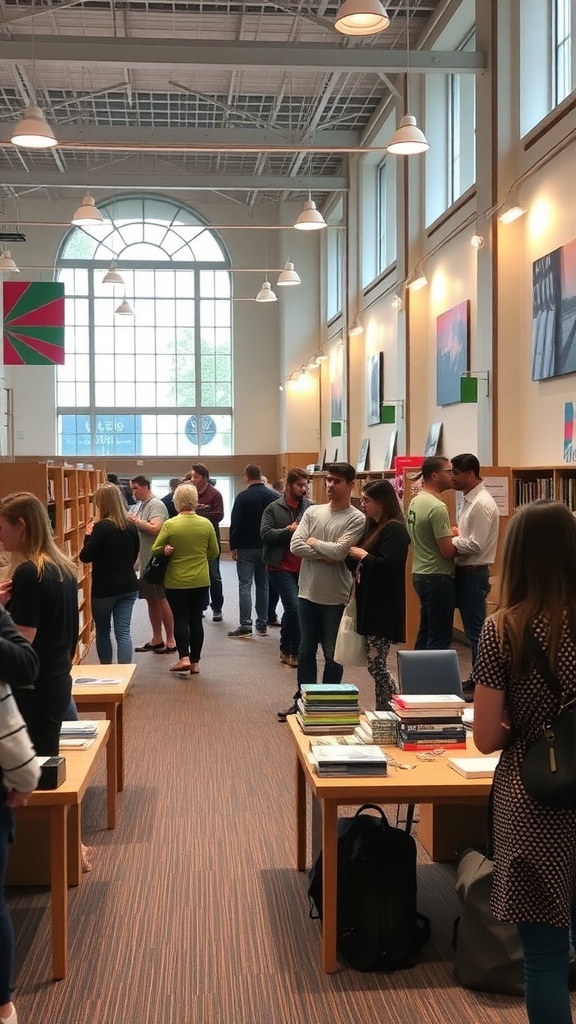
(475, 539)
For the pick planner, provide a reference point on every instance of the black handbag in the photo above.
(155, 569)
(548, 770)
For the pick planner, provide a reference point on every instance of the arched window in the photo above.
(158, 383)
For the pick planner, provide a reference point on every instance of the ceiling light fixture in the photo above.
(310, 219)
(7, 264)
(266, 294)
(417, 280)
(408, 139)
(113, 275)
(33, 131)
(87, 214)
(361, 18)
(124, 309)
(288, 276)
(511, 210)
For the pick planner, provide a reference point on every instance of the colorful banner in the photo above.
(33, 323)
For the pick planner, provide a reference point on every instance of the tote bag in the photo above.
(350, 647)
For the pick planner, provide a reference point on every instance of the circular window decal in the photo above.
(207, 427)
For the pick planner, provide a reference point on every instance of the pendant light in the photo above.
(87, 214)
(33, 131)
(113, 275)
(310, 219)
(124, 309)
(361, 18)
(266, 294)
(288, 277)
(408, 139)
(7, 264)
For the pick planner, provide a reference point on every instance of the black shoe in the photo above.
(217, 617)
(283, 715)
(261, 630)
(241, 631)
(273, 622)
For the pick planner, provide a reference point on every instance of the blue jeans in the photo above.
(287, 587)
(250, 567)
(437, 595)
(318, 625)
(214, 596)
(472, 589)
(118, 609)
(546, 957)
(6, 926)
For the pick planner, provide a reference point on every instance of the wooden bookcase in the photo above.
(68, 493)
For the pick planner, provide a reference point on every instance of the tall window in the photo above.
(334, 257)
(451, 131)
(158, 383)
(562, 56)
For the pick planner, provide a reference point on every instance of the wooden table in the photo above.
(109, 699)
(430, 782)
(61, 809)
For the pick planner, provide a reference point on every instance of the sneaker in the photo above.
(241, 631)
(283, 715)
(284, 658)
(261, 630)
(217, 617)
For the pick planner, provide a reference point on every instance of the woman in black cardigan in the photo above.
(379, 564)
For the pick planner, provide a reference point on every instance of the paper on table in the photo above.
(94, 681)
(76, 742)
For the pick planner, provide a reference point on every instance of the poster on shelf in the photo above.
(409, 466)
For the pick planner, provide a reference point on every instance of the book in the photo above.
(323, 689)
(84, 727)
(428, 701)
(474, 767)
(324, 730)
(95, 681)
(76, 742)
(352, 759)
(431, 744)
(448, 727)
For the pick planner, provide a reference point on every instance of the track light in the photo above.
(511, 210)
(87, 214)
(266, 294)
(417, 280)
(310, 219)
(355, 329)
(7, 264)
(477, 241)
(288, 276)
(33, 131)
(113, 275)
(361, 18)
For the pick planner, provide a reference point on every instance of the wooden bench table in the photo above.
(109, 699)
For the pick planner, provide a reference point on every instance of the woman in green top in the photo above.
(191, 542)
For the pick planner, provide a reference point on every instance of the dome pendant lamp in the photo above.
(288, 277)
(87, 214)
(408, 139)
(361, 18)
(266, 294)
(33, 131)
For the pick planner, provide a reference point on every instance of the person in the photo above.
(322, 540)
(20, 773)
(112, 545)
(148, 517)
(475, 539)
(190, 541)
(433, 556)
(211, 507)
(378, 563)
(534, 878)
(246, 551)
(42, 598)
(273, 592)
(168, 499)
(279, 521)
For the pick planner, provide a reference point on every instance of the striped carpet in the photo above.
(193, 912)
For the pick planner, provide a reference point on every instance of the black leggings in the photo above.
(44, 711)
(186, 606)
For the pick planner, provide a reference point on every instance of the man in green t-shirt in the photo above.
(433, 556)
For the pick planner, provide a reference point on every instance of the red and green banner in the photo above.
(33, 323)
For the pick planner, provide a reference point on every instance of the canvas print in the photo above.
(452, 351)
(33, 323)
(432, 440)
(391, 453)
(374, 387)
(554, 313)
(362, 463)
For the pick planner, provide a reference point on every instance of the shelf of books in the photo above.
(68, 493)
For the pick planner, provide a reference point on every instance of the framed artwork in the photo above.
(390, 454)
(452, 352)
(554, 313)
(362, 463)
(33, 323)
(374, 387)
(432, 439)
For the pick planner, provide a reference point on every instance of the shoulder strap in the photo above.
(542, 664)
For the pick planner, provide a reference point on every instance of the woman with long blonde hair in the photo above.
(532, 634)
(112, 544)
(42, 598)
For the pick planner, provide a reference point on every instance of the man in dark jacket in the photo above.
(279, 521)
(246, 550)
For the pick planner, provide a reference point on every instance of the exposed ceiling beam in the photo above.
(181, 180)
(89, 51)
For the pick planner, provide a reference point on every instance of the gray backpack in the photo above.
(488, 951)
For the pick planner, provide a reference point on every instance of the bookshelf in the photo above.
(68, 493)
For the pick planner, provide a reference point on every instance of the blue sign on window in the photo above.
(113, 435)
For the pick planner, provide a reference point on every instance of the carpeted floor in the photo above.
(193, 912)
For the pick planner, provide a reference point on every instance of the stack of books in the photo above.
(354, 759)
(378, 727)
(428, 721)
(78, 734)
(327, 708)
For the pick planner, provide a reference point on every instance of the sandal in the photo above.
(179, 668)
(194, 669)
(167, 650)
(151, 647)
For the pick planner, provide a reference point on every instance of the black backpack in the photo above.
(378, 926)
